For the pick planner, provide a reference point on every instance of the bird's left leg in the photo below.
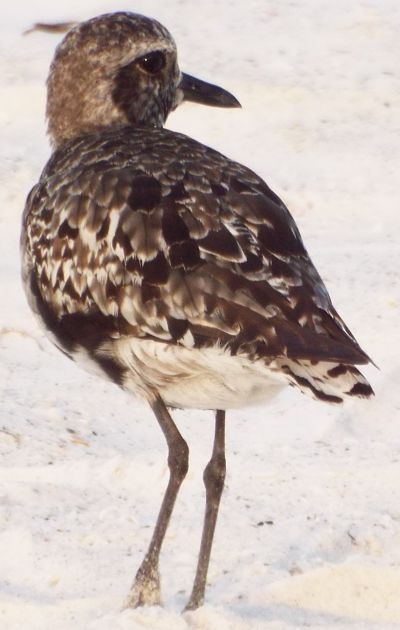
(146, 586)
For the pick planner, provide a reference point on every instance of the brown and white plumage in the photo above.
(174, 270)
(150, 236)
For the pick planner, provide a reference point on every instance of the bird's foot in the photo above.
(195, 601)
(145, 590)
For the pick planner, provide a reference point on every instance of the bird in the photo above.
(166, 267)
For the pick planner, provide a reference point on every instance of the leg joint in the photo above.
(178, 457)
(214, 472)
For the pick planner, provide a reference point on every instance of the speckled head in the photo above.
(119, 69)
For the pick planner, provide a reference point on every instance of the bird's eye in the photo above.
(153, 62)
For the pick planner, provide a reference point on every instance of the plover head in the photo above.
(119, 69)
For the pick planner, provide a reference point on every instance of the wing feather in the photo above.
(207, 248)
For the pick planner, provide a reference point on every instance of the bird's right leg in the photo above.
(146, 586)
(214, 477)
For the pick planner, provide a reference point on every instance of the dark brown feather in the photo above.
(258, 287)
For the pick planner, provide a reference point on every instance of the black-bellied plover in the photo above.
(174, 271)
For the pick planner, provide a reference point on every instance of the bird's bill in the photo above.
(198, 91)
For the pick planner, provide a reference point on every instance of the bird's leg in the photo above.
(214, 477)
(146, 586)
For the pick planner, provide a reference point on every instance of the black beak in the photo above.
(205, 93)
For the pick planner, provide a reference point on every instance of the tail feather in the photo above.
(331, 382)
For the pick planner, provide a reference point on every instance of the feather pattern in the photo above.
(161, 238)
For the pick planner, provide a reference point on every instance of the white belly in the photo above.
(207, 378)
